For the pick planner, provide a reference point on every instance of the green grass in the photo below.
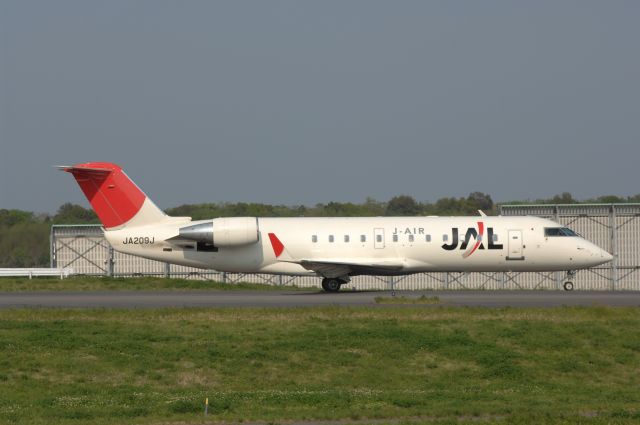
(99, 283)
(423, 299)
(407, 364)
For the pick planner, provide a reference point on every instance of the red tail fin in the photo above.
(113, 196)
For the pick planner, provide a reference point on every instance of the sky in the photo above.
(300, 102)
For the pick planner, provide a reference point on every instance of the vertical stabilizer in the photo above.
(115, 198)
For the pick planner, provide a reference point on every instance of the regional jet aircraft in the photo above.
(332, 248)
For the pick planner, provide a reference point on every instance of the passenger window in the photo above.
(379, 238)
(331, 238)
(410, 238)
(346, 238)
(363, 238)
(445, 238)
(495, 237)
(428, 238)
(395, 238)
(314, 238)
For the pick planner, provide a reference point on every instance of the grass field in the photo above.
(99, 283)
(397, 364)
(401, 299)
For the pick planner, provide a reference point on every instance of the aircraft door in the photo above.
(378, 238)
(515, 245)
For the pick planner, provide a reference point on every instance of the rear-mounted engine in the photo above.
(223, 232)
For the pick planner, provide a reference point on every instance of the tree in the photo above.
(564, 198)
(74, 214)
(451, 206)
(12, 217)
(610, 199)
(480, 201)
(373, 207)
(403, 205)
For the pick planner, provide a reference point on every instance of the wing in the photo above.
(338, 267)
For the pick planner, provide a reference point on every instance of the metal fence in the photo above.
(32, 272)
(614, 227)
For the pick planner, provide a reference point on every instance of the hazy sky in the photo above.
(302, 102)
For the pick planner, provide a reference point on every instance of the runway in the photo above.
(158, 299)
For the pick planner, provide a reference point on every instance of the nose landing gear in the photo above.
(568, 280)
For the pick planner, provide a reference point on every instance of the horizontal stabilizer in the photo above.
(71, 168)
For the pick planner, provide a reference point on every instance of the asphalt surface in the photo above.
(143, 299)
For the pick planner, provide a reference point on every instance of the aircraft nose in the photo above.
(605, 255)
(593, 255)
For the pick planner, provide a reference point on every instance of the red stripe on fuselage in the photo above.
(479, 241)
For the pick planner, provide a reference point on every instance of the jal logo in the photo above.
(477, 235)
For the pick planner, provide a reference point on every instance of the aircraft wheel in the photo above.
(331, 285)
(568, 286)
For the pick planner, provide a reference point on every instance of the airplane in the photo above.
(334, 249)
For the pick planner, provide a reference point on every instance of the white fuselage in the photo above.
(418, 244)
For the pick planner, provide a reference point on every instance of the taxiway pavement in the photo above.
(160, 299)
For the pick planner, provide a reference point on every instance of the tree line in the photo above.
(24, 235)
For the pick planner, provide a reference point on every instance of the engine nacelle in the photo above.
(224, 232)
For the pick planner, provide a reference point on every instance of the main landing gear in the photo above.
(332, 284)
(568, 280)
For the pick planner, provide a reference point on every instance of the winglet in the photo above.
(278, 247)
(482, 214)
(279, 250)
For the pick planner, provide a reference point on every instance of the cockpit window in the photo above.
(559, 231)
(552, 231)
